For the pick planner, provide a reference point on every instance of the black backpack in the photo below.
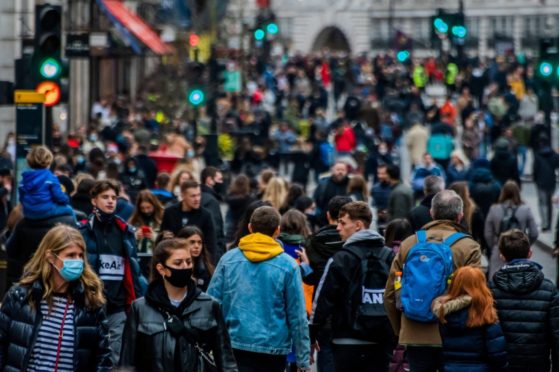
(509, 221)
(365, 296)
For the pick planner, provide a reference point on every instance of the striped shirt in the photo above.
(45, 350)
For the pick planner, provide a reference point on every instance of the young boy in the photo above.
(40, 192)
(527, 305)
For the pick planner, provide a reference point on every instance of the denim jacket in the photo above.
(260, 291)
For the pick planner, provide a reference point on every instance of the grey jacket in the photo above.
(495, 216)
(400, 201)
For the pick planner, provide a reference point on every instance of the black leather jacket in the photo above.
(19, 325)
(149, 345)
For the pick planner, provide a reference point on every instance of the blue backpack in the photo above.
(440, 146)
(425, 275)
(327, 154)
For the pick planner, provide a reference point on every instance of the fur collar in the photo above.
(451, 306)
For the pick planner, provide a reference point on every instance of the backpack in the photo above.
(425, 275)
(509, 220)
(440, 146)
(367, 317)
(327, 154)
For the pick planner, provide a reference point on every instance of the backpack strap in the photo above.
(421, 236)
(450, 240)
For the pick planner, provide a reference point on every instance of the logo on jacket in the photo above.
(111, 267)
(372, 296)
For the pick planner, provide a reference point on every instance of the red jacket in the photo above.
(345, 142)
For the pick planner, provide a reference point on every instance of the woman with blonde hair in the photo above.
(472, 338)
(275, 192)
(53, 319)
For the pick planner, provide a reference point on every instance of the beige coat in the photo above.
(464, 252)
(416, 141)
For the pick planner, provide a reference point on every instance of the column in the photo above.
(483, 36)
(518, 31)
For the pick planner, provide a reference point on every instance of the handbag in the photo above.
(178, 329)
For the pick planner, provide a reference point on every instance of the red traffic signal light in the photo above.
(52, 92)
(193, 40)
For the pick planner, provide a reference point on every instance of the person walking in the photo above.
(400, 200)
(351, 282)
(189, 212)
(546, 162)
(420, 215)
(267, 281)
(328, 187)
(53, 318)
(509, 213)
(423, 340)
(211, 185)
(472, 337)
(175, 326)
(203, 269)
(527, 305)
(112, 253)
(146, 218)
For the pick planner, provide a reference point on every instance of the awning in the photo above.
(133, 27)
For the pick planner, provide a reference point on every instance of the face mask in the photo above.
(93, 138)
(71, 270)
(102, 216)
(179, 277)
(146, 215)
(190, 154)
(132, 169)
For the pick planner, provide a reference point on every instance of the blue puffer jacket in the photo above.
(134, 282)
(40, 192)
(465, 349)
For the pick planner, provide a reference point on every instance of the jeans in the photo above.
(425, 358)
(115, 323)
(522, 150)
(248, 361)
(362, 358)
(325, 357)
(545, 206)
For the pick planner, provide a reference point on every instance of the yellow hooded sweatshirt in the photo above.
(258, 247)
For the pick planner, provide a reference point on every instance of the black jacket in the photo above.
(504, 167)
(528, 309)
(546, 161)
(149, 167)
(174, 219)
(331, 298)
(237, 208)
(19, 324)
(210, 202)
(25, 240)
(320, 248)
(149, 345)
(420, 216)
(326, 189)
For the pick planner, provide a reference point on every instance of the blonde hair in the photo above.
(275, 192)
(39, 157)
(55, 241)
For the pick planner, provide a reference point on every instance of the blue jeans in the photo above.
(522, 151)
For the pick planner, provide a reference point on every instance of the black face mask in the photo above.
(179, 277)
(146, 216)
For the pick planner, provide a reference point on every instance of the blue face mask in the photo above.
(72, 269)
(190, 154)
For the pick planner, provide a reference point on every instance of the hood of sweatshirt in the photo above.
(258, 247)
(519, 276)
(34, 179)
(370, 236)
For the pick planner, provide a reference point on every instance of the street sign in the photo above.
(28, 96)
(232, 81)
(77, 45)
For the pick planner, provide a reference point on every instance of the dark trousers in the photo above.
(361, 358)
(546, 207)
(259, 362)
(425, 358)
(325, 358)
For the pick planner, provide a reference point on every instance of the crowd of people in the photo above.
(302, 242)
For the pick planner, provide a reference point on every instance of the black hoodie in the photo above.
(546, 161)
(528, 309)
(320, 248)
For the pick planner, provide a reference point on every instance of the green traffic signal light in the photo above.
(546, 69)
(50, 68)
(403, 55)
(196, 97)
(272, 28)
(259, 34)
(440, 25)
(459, 31)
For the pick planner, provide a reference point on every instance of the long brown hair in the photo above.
(39, 268)
(295, 222)
(162, 252)
(461, 188)
(147, 196)
(188, 231)
(240, 186)
(471, 281)
(511, 192)
(358, 184)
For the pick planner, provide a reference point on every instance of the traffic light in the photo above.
(458, 29)
(196, 96)
(440, 25)
(259, 34)
(449, 25)
(403, 46)
(272, 28)
(193, 40)
(547, 66)
(47, 66)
